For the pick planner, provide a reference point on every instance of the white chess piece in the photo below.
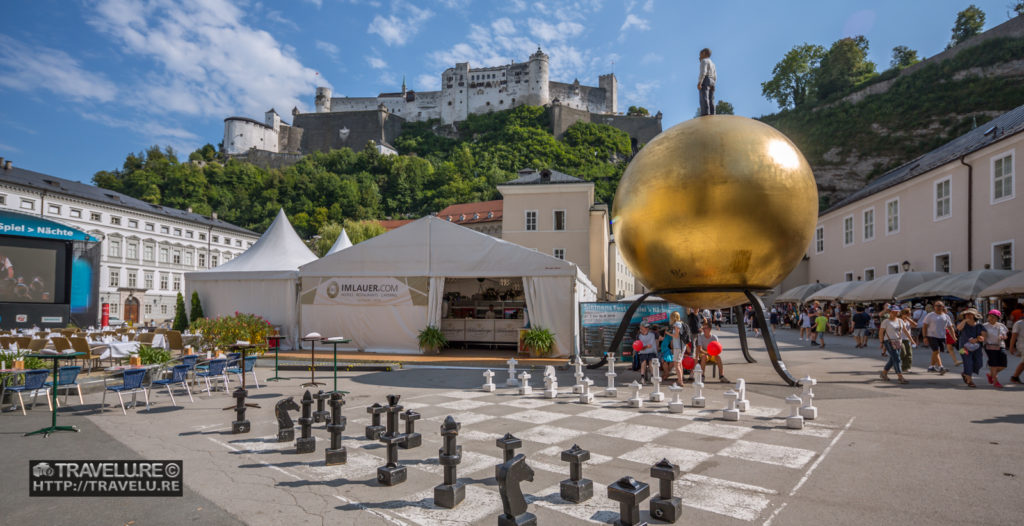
(676, 405)
(794, 420)
(610, 391)
(730, 412)
(698, 399)
(742, 403)
(489, 386)
(808, 411)
(586, 397)
(656, 395)
(637, 400)
(550, 387)
(511, 382)
(578, 388)
(525, 388)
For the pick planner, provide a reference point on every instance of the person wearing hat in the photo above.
(918, 315)
(995, 337)
(890, 336)
(971, 342)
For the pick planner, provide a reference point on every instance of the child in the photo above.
(820, 326)
(703, 339)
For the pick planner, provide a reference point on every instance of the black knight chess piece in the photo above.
(508, 444)
(336, 454)
(392, 473)
(665, 507)
(577, 489)
(240, 425)
(321, 414)
(306, 443)
(629, 493)
(375, 430)
(510, 476)
(285, 426)
(412, 438)
(451, 492)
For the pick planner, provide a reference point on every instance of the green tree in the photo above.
(724, 108)
(180, 317)
(792, 79)
(359, 231)
(969, 22)
(328, 233)
(1017, 8)
(844, 66)
(197, 308)
(637, 110)
(903, 56)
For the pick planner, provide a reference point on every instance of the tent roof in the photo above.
(278, 253)
(799, 294)
(341, 243)
(434, 247)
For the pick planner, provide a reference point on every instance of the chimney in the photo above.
(1, 161)
(7, 165)
(213, 216)
(545, 175)
(189, 209)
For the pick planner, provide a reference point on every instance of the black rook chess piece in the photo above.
(508, 444)
(392, 473)
(629, 493)
(321, 414)
(665, 507)
(336, 454)
(285, 426)
(451, 492)
(240, 425)
(306, 443)
(577, 489)
(375, 430)
(510, 475)
(412, 438)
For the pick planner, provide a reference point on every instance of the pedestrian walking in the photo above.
(995, 339)
(820, 327)
(972, 342)
(934, 328)
(890, 336)
(907, 343)
(861, 320)
(1017, 348)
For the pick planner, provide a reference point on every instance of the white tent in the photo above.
(383, 291)
(341, 243)
(262, 280)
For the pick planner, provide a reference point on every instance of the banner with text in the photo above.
(365, 291)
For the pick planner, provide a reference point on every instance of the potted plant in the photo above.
(432, 340)
(539, 341)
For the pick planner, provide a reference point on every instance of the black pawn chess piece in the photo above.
(392, 473)
(576, 489)
(412, 438)
(510, 475)
(629, 493)
(451, 492)
(336, 454)
(508, 444)
(665, 507)
(321, 414)
(306, 443)
(240, 425)
(375, 430)
(285, 425)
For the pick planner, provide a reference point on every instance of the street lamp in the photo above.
(906, 266)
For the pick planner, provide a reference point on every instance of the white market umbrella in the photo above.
(835, 292)
(799, 294)
(889, 287)
(1007, 287)
(963, 285)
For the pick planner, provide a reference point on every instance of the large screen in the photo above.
(31, 271)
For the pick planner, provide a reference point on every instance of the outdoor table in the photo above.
(335, 341)
(46, 431)
(277, 351)
(242, 349)
(312, 363)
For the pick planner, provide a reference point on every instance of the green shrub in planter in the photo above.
(539, 341)
(153, 355)
(432, 340)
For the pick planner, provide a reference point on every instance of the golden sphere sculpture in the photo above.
(716, 201)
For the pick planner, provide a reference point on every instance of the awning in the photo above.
(963, 285)
(799, 294)
(887, 288)
(835, 292)
(1009, 286)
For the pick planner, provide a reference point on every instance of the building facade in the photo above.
(482, 216)
(146, 248)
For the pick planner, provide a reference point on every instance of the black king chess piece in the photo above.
(412, 438)
(451, 492)
(665, 507)
(510, 475)
(629, 493)
(321, 414)
(392, 473)
(240, 425)
(577, 489)
(336, 454)
(306, 443)
(374, 430)
(285, 426)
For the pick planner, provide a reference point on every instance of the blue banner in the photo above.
(23, 225)
(603, 314)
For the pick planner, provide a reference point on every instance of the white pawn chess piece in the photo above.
(730, 412)
(637, 400)
(698, 399)
(578, 388)
(808, 411)
(550, 387)
(742, 403)
(586, 397)
(511, 382)
(676, 405)
(525, 388)
(610, 391)
(489, 386)
(656, 395)
(794, 420)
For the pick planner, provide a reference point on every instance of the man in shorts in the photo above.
(933, 327)
(861, 320)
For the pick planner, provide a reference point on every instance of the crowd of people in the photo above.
(673, 343)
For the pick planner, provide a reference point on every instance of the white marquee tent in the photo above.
(340, 244)
(262, 280)
(383, 291)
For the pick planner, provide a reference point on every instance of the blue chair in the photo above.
(67, 378)
(132, 383)
(35, 381)
(247, 367)
(233, 359)
(214, 370)
(179, 375)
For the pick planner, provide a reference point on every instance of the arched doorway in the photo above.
(131, 310)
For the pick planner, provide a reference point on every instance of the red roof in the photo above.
(467, 213)
(391, 224)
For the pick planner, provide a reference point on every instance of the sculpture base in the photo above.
(551, 393)
(743, 405)
(511, 382)
(489, 388)
(336, 456)
(412, 440)
(577, 389)
(667, 510)
(611, 392)
(732, 415)
(305, 445)
(525, 390)
(286, 435)
(795, 422)
(676, 407)
(576, 490)
(321, 416)
(526, 519)
(586, 398)
(636, 402)
(449, 495)
(657, 396)
(698, 401)
(374, 432)
(809, 412)
(240, 426)
(389, 476)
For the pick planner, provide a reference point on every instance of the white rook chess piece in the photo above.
(525, 388)
(808, 411)
(794, 420)
(586, 397)
(698, 399)
(611, 392)
(742, 403)
(730, 412)
(637, 400)
(676, 405)
(578, 388)
(489, 386)
(511, 382)
(657, 395)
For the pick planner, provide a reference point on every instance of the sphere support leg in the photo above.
(769, 339)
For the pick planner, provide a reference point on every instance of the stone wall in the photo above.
(329, 131)
(268, 160)
(640, 129)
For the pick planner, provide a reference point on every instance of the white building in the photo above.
(146, 248)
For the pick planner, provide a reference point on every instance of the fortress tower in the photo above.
(539, 92)
(323, 100)
(610, 85)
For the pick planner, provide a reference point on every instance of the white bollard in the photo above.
(742, 403)
(730, 412)
(586, 397)
(676, 405)
(610, 391)
(578, 388)
(794, 420)
(657, 395)
(511, 382)
(489, 386)
(808, 411)
(525, 388)
(698, 399)
(637, 400)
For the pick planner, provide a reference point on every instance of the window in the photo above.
(177, 232)
(559, 220)
(3, 199)
(213, 260)
(848, 276)
(113, 308)
(177, 282)
(202, 236)
(164, 229)
(227, 241)
(942, 262)
(188, 258)
(150, 227)
(1002, 178)
(189, 234)
(163, 281)
(115, 277)
(163, 308)
(892, 216)
(869, 274)
(819, 240)
(202, 260)
(132, 223)
(147, 280)
(147, 252)
(76, 213)
(114, 248)
(95, 216)
(238, 242)
(892, 269)
(53, 209)
(560, 253)
(869, 224)
(133, 279)
(1002, 255)
(531, 220)
(847, 231)
(28, 204)
(176, 257)
(148, 309)
(215, 239)
(114, 220)
(164, 254)
(943, 202)
(132, 251)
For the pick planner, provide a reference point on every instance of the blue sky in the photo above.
(85, 82)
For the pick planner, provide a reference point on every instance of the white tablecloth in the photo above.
(119, 350)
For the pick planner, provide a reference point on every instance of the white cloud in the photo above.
(456, 4)
(180, 139)
(503, 26)
(276, 16)
(397, 29)
(651, 58)
(328, 48)
(7, 148)
(641, 94)
(376, 63)
(557, 32)
(317, 3)
(28, 68)
(649, 6)
(428, 82)
(388, 80)
(516, 6)
(633, 21)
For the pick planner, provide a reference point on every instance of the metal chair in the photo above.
(247, 367)
(131, 383)
(174, 341)
(214, 370)
(23, 341)
(145, 338)
(179, 375)
(37, 344)
(67, 378)
(35, 380)
(92, 352)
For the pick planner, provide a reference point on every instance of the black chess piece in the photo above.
(392, 473)
(240, 425)
(577, 489)
(375, 430)
(510, 475)
(665, 507)
(629, 493)
(451, 492)
(321, 414)
(285, 426)
(336, 454)
(306, 443)
(508, 444)
(412, 438)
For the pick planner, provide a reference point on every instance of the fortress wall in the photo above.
(242, 134)
(640, 129)
(321, 130)
(354, 103)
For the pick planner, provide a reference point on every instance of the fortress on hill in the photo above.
(340, 122)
